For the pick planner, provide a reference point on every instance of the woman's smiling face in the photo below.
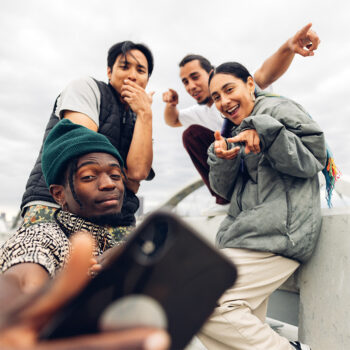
(232, 96)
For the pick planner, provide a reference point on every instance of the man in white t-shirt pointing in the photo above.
(201, 120)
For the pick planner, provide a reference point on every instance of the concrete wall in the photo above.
(324, 282)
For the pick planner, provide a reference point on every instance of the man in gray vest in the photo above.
(120, 110)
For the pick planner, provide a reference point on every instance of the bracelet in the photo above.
(227, 144)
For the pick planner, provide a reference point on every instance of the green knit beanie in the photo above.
(67, 141)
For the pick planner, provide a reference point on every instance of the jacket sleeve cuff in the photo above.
(267, 128)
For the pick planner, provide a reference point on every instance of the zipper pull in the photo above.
(242, 165)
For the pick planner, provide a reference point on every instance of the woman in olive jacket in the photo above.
(269, 172)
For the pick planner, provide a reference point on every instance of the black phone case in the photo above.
(163, 259)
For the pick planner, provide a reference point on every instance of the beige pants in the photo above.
(239, 320)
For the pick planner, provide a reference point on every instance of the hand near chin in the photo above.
(250, 138)
(220, 147)
(136, 97)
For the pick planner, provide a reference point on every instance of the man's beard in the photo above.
(113, 220)
(205, 101)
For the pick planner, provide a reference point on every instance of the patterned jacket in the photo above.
(47, 243)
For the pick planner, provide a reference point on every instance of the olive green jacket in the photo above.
(275, 197)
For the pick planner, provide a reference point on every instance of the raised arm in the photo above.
(140, 155)
(304, 43)
(171, 113)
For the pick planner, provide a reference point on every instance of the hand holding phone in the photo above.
(163, 266)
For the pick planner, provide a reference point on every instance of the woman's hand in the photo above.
(137, 98)
(220, 147)
(250, 138)
(21, 326)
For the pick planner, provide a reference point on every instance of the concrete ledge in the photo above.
(324, 283)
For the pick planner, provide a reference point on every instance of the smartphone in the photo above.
(165, 260)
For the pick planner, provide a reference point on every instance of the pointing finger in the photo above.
(303, 31)
(235, 139)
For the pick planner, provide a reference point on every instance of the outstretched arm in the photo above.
(19, 281)
(304, 43)
(21, 326)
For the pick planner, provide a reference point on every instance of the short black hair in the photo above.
(231, 68)
(123, 48)
(204, 63)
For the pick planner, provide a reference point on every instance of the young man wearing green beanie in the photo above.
(120, 110)
(84, 173)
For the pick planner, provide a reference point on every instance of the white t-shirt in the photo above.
(81, 95)
(203, 115)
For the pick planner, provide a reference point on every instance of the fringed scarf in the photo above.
(331, 174)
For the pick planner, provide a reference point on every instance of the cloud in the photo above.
(44, 45)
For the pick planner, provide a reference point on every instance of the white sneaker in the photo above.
(216, 209)
(300, 346)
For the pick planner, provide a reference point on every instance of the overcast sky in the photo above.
(45, 44)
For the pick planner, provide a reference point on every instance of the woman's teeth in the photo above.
(232, 110)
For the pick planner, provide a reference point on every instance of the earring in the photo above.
(253, 96)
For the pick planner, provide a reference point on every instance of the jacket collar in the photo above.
(70, 223)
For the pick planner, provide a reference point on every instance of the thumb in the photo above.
(217, 135)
